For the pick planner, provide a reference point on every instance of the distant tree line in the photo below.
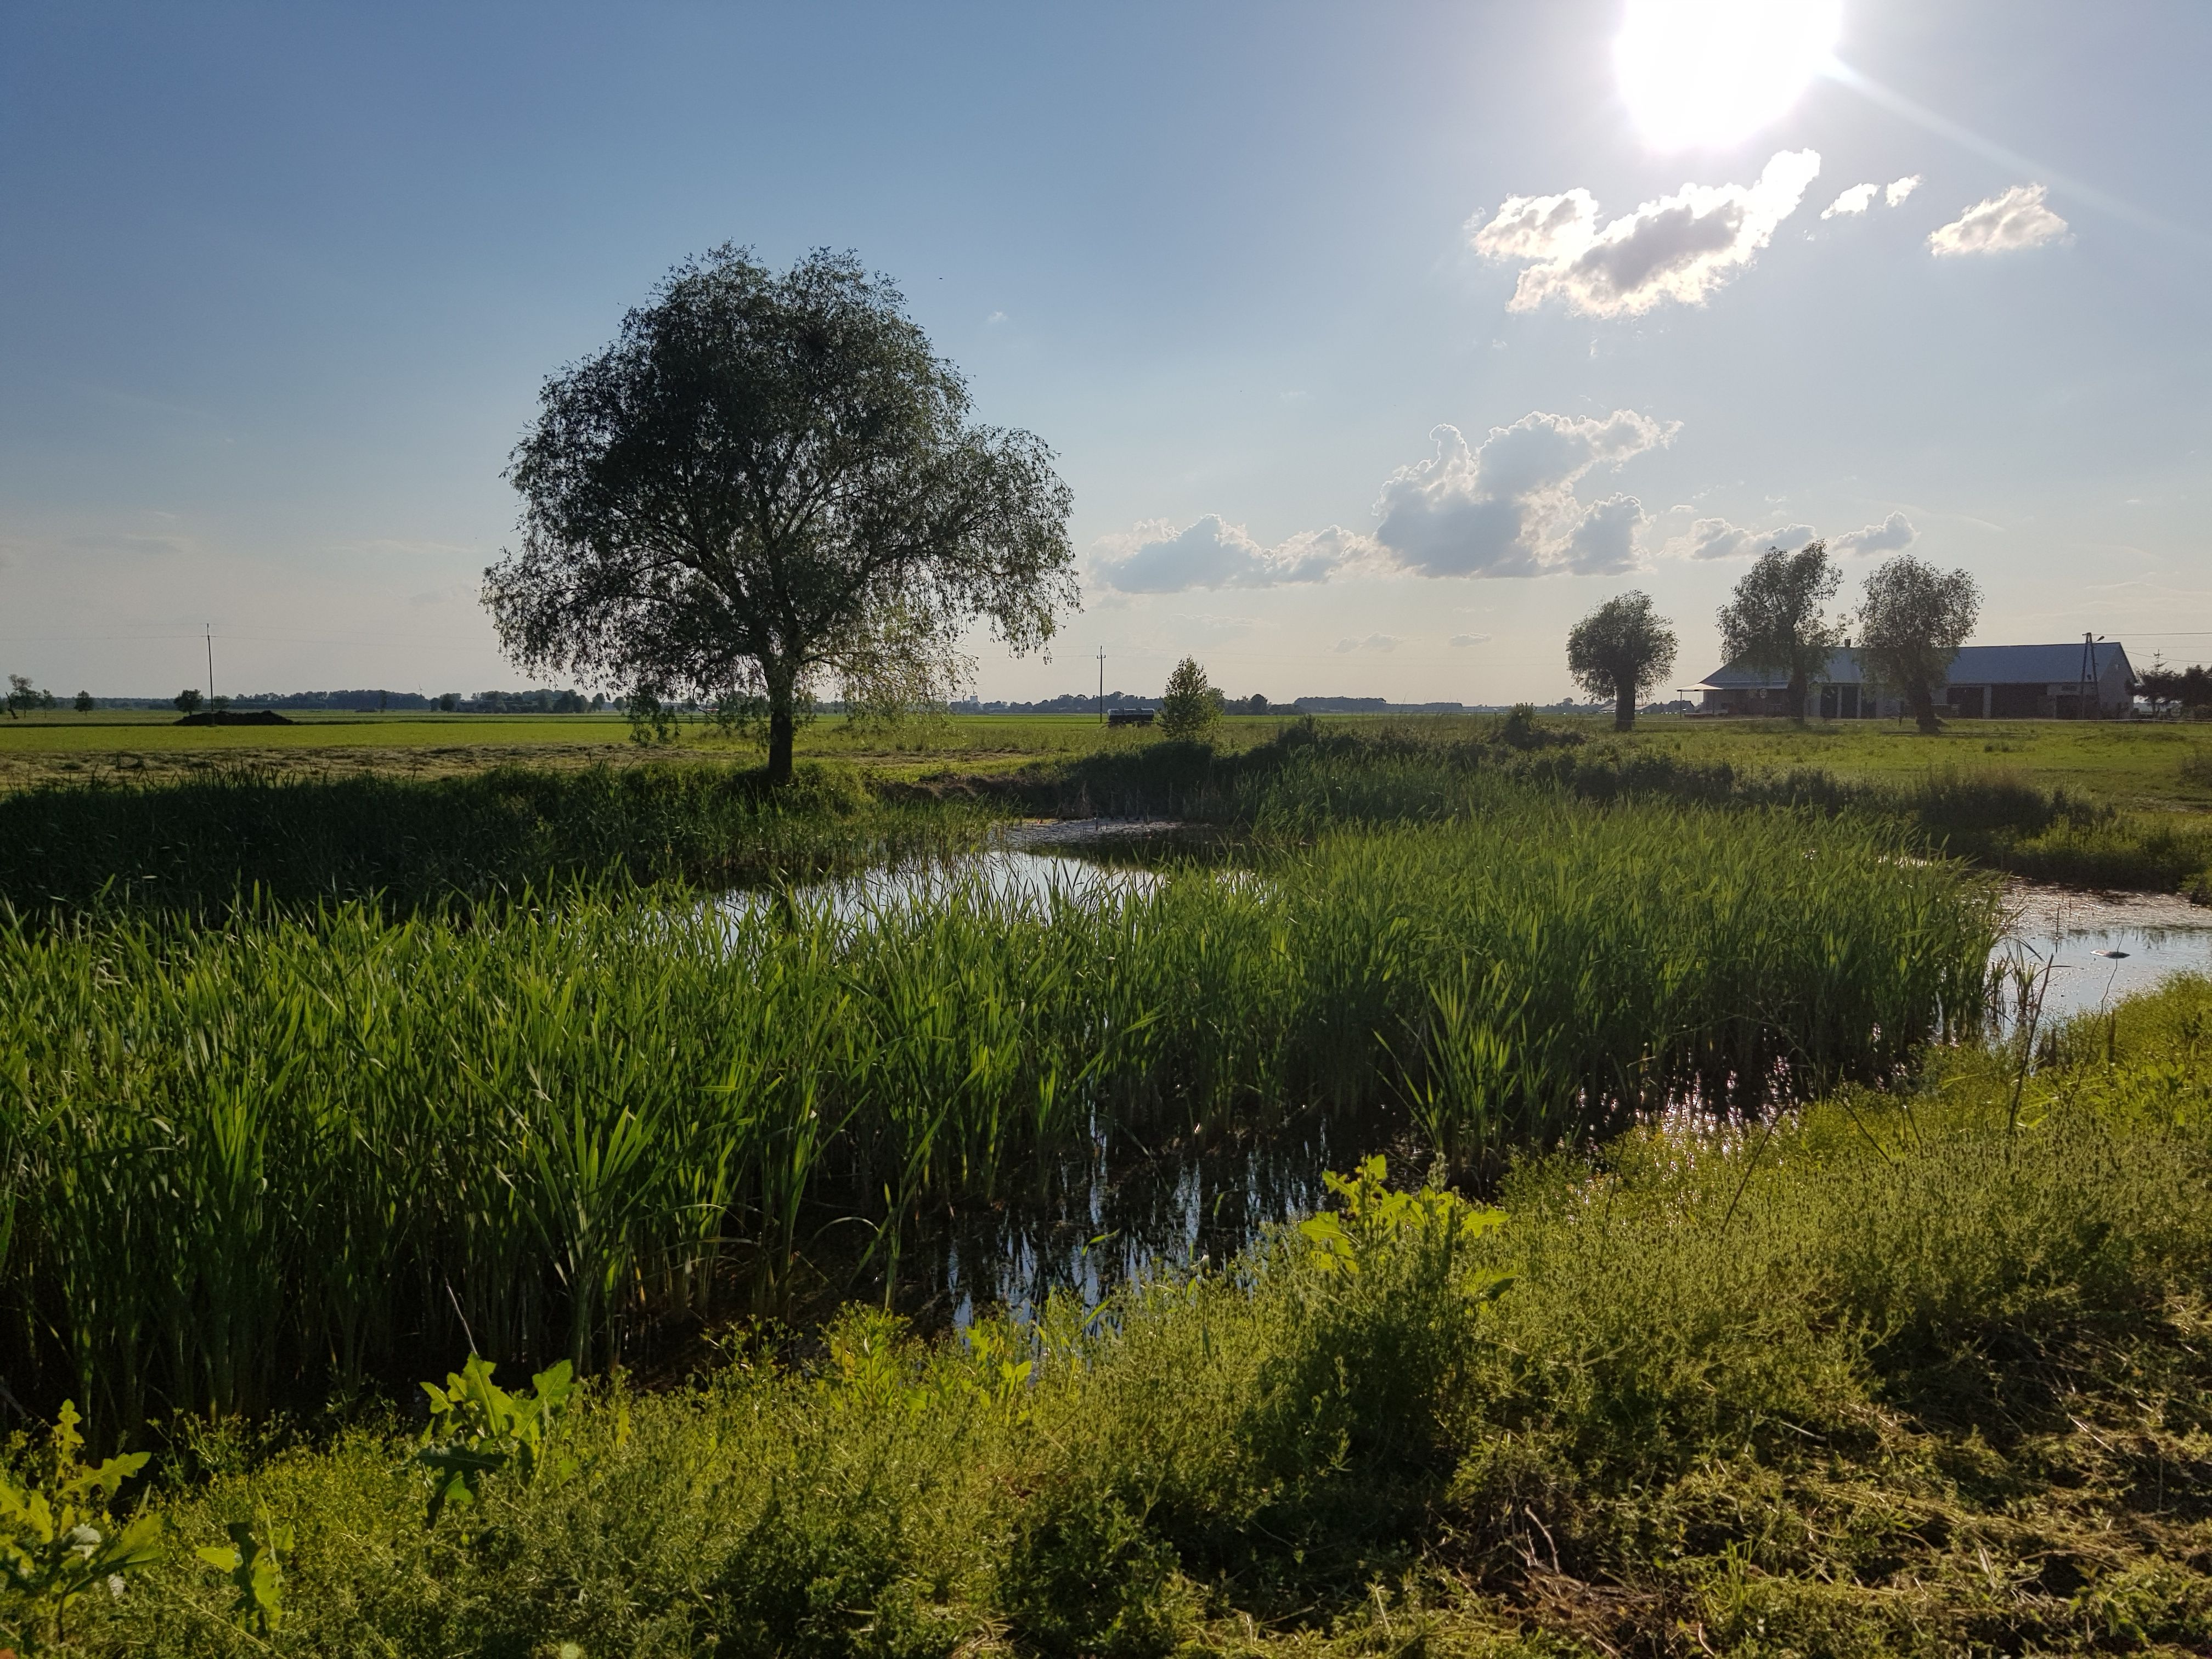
(2189, 688)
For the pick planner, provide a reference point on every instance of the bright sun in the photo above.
(1702, 73)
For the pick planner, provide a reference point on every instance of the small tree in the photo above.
(83, 704)
(1190, 704)
(1912, 620)
(2162, 685)
(767, 480)
(1617, 650)
(1775, 621)
(22, 696)
(188, 700)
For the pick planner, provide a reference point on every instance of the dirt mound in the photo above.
(236, 717)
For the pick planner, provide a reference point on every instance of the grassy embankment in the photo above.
(1925, 1374)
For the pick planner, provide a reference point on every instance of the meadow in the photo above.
(916, 1280)
(257, 1163)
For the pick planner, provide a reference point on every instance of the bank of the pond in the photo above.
(251, 1163)
(197, 849)
(1907, 1376)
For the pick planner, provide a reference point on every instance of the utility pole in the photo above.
(209, 627)
(1102, 685)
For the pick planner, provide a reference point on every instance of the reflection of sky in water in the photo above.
(1011, 876)
(2162, 934)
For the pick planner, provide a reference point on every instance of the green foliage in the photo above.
(1775, 619)
(24, 697)
(1886, 1379)
(197, 847)
(797, 437)
(1189, 705)
(252, 1561)
(1912, 619)
(477, 1428)
(1618, 650)
(246, 1164)
(652, 723)
(59, 1542)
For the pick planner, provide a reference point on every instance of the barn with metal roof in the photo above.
(2081, 678)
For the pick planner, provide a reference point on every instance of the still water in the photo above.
(2100, 947)
(1091, 1225)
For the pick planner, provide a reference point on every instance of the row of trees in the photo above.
(24, 697)
(1910, 620)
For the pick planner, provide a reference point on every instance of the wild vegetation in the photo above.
(252, 1163)
(200, 847)
(1908, 1375)
(1762, 1306)
(302, 837)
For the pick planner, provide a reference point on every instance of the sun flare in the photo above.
(1697, 74)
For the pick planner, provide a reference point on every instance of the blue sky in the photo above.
(280, 283)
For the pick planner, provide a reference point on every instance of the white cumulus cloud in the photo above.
(1859, 198)
(1893, 535)
(1156, 557)
(1507, 506)
(1460, 640)
(1716, 539)
(1372, 642)
(2003, 224)
(1680, 247)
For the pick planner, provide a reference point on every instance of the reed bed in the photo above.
(1914, 1375)
(250, 1162)
(194, 848)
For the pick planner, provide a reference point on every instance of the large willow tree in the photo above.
(769, 482)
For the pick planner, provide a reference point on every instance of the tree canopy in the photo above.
(1189, 705)
(1618, 650)
(1776, 619)
(1912, 619)
(769, 480)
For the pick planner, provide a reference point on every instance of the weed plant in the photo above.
(250, 1163)
(1918, 1375)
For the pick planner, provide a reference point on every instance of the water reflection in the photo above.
(2100, 947)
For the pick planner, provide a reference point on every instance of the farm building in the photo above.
(2084, 678)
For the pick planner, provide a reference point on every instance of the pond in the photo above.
(1086, 1225)
(2091, 949)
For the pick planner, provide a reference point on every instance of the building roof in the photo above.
(1975, 664)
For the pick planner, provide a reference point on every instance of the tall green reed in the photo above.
(249, 1162)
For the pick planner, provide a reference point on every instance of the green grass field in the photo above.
(71, 746)
(2142, 765)
(1818, 1321)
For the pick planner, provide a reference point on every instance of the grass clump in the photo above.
(1909, 1376)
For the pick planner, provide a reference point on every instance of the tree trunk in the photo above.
(1800, 688)
(1624, 709)
(781, 728)
(1924, 708)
